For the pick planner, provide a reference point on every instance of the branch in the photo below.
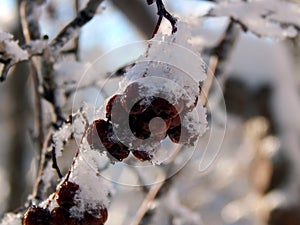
(71, 30)
(224, 48)
(37, 48)
(31, 31)
(219, 58)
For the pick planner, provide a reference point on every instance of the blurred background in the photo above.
(255, 179)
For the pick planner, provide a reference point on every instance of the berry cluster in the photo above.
(133, 117)
(60, 215)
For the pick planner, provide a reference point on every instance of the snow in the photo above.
(93, 188)
(12, 219)
(5, 36)
(268, 18)
(37, 46)
(11, 48)
(60, 137)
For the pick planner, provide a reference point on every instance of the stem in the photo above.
(162, 12)
(157, 26)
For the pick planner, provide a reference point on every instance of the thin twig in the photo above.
(71, 30)
(162, 12)
(76, 40)
(147, 201)
(31, 32)
(205, 89)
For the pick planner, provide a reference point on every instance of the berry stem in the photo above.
(162, 12)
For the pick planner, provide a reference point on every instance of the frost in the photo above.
(60, 137)
(93, 189)
(269, 18)
(5, 36)
(12, 219)
(47, 177)
(181, 214)
(37, 46)
(11, 49)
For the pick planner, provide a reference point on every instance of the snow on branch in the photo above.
(269, 18)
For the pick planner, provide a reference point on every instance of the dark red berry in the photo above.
(36, 215)
(180, 134)
(142, 155)
(132, 100)
(175, 122)
(66, 194)
(95, 216)
(59, 216)
(139, 126)
(164, 109)
(106, 140)
(158, 107)
(93, 138)
(175, 134)
(114, 105)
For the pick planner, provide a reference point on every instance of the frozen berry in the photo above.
(158, 108)
(36, 215)
(59, 216)
(131, 96)
(175, 134)
(180, 134)
(114, 107)
(104, 130)
(176, 121)
(66, 194)
(164, 109)
(139, 126)
(142, 155)
(93, 138)
(95, 216)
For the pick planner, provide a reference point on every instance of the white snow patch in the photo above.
(60, 137)
(269, 18)
(93, 188)
(12, 219)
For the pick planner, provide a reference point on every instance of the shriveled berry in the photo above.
(93, 138)
(66, 194)
(158, 108)
(142, 155)
(36, 215)
(164, 109)
(175, 134)
(114, 107)
(95, 216)
(175, 122)
(139, 126)
(180, 134)
(131, 96)
(109, 140)
(59, 216)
